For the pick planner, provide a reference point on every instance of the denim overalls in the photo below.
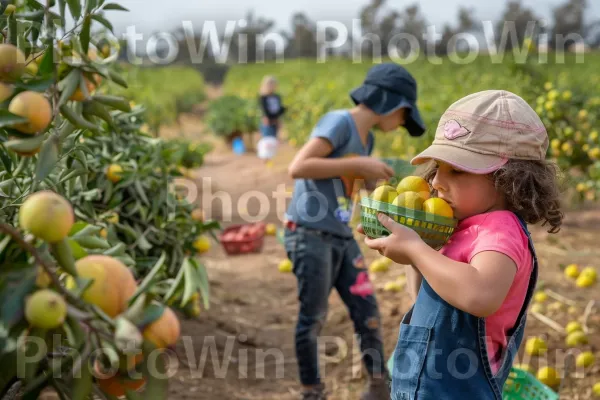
(442, 353)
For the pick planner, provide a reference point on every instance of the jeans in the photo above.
(268, 130)
(322, 262)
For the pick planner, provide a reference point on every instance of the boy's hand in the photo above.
(398, 245)
(372, 168)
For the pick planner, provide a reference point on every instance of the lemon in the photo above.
(585, 359)
(202, 244)
(438, 206)
(393, 286)
(536, 346)
(584, 281)
(384, 193)
(270, 229)
(540, 297)
(575, 339)
(285, 266)
(414, 184)
(549, 376)
(573, 326)
(572, 271)
(113, 173)
(409, 200)
(386, 261)
(596, 389)
(525, 367)
(538, 308)
(591, 272)
(378, 266)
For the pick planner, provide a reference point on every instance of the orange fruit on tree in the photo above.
(164, 332)
(113, 173)
(47, 215)
(35, 108)
(12, 62)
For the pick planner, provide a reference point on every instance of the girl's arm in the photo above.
(478, 288)
(413, 278)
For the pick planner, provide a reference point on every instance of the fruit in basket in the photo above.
(384, 193)
(409, 200)
(549, 377)
(414, 184)
(202, 244)
(438, 206)
(285, 266)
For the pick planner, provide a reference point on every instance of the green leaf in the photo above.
(103, 21)
(47, 65)
(202, 282)
(153, 312)
(68, 85)
(89, 6)
(92, 242)
(77, 227)
(114, 6)
(140, 191)
(47, 158)
(82, 383)
(5, 243)
(64, 256)
(85, 33)
(75, 8)
(6, 161)
(13, 295)
(157, 386)
(174, 286)
(149, 277)
(189, 284)
(36, 85)
(8, 119)
(62, 7)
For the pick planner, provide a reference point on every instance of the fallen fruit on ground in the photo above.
(384, 193)
(47, 216)
(393, 286)
(590, 272)
(438, 206)
(537, 308)
(35, 108)
(540, 297)
(378, 266)
(536, 346)
(549, 376)
(113, 173)
(575, 339)
(572, 271)
(271, 229)
(584, 281)
(414, 184)
(585, 359)
(12, 62)
(45, 309)
(596, 389)
(164, 332)
(113, 283)
(285, 266)
(573, 326)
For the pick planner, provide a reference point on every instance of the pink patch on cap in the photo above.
(454, 130)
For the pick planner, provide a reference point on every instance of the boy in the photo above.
(319, 241)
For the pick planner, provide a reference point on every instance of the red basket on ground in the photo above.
(243, 239)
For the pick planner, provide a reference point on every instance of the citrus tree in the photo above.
(97, 250)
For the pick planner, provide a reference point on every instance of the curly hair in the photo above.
(531, 190)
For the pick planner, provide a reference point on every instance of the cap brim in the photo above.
(461, 159)
(384, 102)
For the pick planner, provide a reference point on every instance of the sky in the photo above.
(150, 16)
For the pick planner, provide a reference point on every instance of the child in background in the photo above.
(459, 339)
(319, 241)
(271, 106)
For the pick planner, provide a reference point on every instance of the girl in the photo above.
(271, 106)
(459, 339)
(318, 239)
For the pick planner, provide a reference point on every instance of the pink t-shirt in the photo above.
(495, 231)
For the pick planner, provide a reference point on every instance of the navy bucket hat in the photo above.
(387, 88)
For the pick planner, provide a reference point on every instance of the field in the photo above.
(116, 180)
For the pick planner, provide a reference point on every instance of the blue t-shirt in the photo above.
(325, 204)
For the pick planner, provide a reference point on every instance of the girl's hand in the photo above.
(399, 245)
(372, 169)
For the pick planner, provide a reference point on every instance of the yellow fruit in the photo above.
(271, 229)
(540, 297)
(113, 173)
(103, 233)
(573, 326)
(549, 376)
(573, 310)
(409, 200)
(555, 306)
(555, 144)
(197, 214)
(536, 346)
(112, 217)
(386, 261)
(584, 281)
(378, 266)
(596, 389)
(164, 332)
(113, 283)
(525, 367)
(285, 266)
(572, 271)
(589, 271)
(538, 308)
(5, 91)
(575, 339)
(393, 286)
(47, 215)
(414, 184)
(202, 244)
(567, 94)
(384, 193)
(42, 279)
(78, 94)
(438, 206)
(45, 309)
(35, 108)
(585, 359)
(12, 62)
(31, 67)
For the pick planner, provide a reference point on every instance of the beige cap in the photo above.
(482, 131)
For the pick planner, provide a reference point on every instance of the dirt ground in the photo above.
(242, 347)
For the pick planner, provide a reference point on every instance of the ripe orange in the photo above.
(33, 106)
(164, 332)
(438, 206)
(414, 184)
(47, 215)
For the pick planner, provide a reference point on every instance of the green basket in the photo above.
(520, 385)
(433, 229)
